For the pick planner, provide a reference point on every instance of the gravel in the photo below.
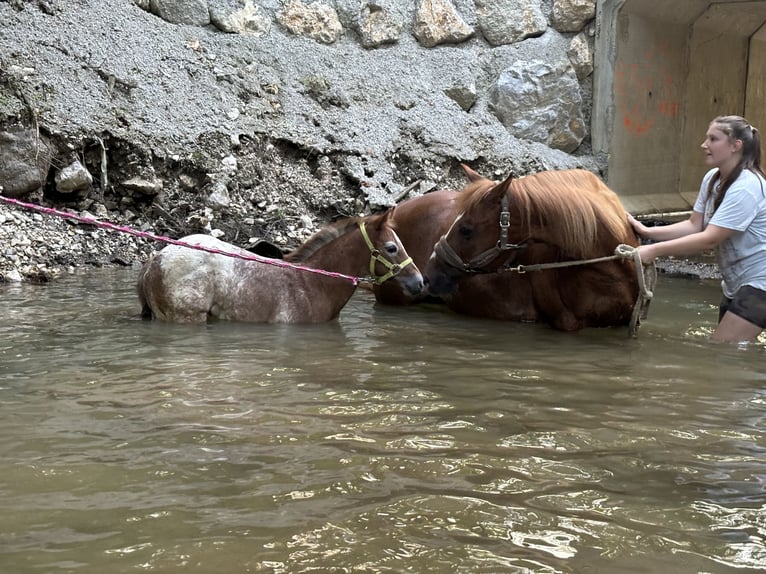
(38, 248)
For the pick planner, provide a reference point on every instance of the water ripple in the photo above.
(394, 440)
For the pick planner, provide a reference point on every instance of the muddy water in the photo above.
(395, 440)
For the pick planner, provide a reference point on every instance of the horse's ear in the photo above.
(387, 217)
(500, 189)
(471, 174)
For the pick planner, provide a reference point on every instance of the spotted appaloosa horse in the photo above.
(549, 217)
(188, 285)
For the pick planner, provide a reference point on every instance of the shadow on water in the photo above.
(391, 440)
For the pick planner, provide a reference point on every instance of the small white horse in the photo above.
(187, 285)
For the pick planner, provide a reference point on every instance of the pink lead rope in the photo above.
(163, 239)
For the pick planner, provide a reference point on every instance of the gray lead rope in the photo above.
(645, 274)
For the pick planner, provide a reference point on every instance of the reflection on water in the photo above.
(394, 440)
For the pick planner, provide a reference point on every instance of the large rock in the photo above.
(572, 15)
(73, 179)
(24, 162)
(378, 26)
(239, 17)
(509, 21)
(195, 12)
(439, 22)
(540, 101)
(580, 55)
(317, 20)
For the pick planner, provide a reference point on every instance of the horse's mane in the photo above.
(322, 237)
(577, 210)
(477, 187)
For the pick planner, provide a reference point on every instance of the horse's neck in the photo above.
(347, 254)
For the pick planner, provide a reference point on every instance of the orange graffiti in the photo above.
(644, 92)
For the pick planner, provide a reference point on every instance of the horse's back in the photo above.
(583, 196)
(182, 284)
(576, 181)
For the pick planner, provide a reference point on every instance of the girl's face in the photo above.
(720, 150)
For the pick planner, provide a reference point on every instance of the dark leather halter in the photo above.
(444, 251)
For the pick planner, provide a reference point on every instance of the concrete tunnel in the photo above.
(663, 70)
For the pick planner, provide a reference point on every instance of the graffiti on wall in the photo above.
(644, 92)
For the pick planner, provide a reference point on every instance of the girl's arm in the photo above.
(666, 232)
(689, 244)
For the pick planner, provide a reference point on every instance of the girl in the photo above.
(730, 217)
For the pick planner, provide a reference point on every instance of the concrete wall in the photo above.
(664, 69)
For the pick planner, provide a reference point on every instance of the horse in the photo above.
(420, 223)
(217, 280)
(529, 245)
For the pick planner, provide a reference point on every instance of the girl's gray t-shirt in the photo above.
(741, 257)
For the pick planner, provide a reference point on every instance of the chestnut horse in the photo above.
(420, 223)
(527, 246)
(187, 285)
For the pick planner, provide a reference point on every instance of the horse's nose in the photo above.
(415, 285)
(440, 283)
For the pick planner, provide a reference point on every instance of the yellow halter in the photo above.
(377, 256)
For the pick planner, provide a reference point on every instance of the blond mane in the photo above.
(577, 210)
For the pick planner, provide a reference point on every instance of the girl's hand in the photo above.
(637, 226)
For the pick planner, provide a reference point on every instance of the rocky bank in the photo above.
(266, 119)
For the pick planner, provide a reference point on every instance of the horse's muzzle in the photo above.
(440, 279)
(414, 285)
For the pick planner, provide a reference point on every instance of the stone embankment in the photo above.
(265, 119)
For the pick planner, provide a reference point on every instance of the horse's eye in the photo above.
(391, 248)
(465, 232)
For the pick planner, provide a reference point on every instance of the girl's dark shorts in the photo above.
(748, 303)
